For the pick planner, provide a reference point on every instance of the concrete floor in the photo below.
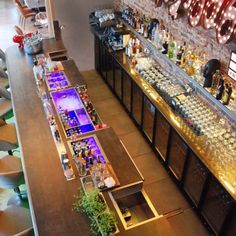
(163, 193)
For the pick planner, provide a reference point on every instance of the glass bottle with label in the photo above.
(215, 81)
(220, 89)
(227, 94)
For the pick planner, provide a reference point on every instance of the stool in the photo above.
(11, 177)
(4, 82)
(18, 30)
(11, 174)
(24, 12)
(5, 104)
(3, 60)
(15, 221)
(8, 138)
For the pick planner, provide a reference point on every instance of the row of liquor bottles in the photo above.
(162, 38)
(217, 87)
(182, 55)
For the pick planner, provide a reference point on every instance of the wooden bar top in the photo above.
(50, 195)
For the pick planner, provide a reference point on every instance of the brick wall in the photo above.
(196, 37)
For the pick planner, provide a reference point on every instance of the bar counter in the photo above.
(205, 183)
(50, 195)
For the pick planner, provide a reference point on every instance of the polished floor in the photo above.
(165, 196)
(163, 193)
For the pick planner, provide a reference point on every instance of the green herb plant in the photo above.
(93, 204)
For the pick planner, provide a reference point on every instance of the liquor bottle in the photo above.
(138, 47)
(152, 34)
(171, 47)
(165, 47)
(179, 56)
(189, 65)
(134, 48)
(184, 54)
(156, 36)
(160, 36)
(215, 81)
(220, 89)
(227, 94)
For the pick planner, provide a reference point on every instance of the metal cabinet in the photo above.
(162, 131)
(148, 118)
(195, 178)
(216, 205)
(126, 90)
(177, 155)
(110, 69)
(117, 79)
(137, 103)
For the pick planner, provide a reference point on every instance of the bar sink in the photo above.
(133, 206)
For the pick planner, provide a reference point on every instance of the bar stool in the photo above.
(5, 104)
(15, 221)
(18, 30)
(11, 174)
(24, 12)
(4, 82)
(3, 64)
(8, 138)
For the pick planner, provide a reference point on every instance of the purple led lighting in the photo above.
(67, 99)
(57, 80)
(91, 142)
(71, 111)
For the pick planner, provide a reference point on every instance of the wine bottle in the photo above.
(215, 81)
(221, 89)
(179, 56)
(227, 94)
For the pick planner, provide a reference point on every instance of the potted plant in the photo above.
(106, 222)
(93, 204)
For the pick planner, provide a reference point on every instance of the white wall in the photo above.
(74, 15)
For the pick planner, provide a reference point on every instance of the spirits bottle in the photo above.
(152, 35)
(184, 54)
(134, 49)
(171, 47)
(215, 81)
(220, 89)
(160, 36)
(227, 94)
(179, 56)
(165, 47)
(138, 47)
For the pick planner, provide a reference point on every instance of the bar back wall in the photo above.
(194, 36)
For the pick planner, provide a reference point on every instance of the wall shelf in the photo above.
(181, 75)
